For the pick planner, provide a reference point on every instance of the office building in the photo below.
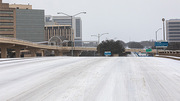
(173, 30)
(29, 23)
(22, 22)
(7, 20)
(58, 30)
(66, 21)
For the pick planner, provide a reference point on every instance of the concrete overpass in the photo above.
(18, 45)
(160, 52)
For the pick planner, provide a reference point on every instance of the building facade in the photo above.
(7, 20)
(30, 25)
(173, 30)
(67, 21)
(20, 6)
(21, 22)
(58, 30)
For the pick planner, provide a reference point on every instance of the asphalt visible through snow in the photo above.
(90, 79)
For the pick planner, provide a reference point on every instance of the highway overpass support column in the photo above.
(18, 53)
(42, 53)
(77, 53)
(33, 52)
(3, 52)
(58, 53)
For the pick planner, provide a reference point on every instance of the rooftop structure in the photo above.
(20, 6)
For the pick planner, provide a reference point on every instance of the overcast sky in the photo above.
(127, 20)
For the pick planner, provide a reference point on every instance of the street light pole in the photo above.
(157, 32)
(163, 29)
(99, 36)
(72, 34)
(72, 44)
(156, 40)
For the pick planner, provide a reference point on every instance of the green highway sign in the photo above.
(149, 50)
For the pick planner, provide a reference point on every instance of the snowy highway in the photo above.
(90, 79)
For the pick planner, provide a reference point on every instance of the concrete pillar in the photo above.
(42, 53)
(33, 52)
(18, 53)
(58, 53)
(3, 52)
(77, 53)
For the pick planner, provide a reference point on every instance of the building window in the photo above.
(173, 26)
(7, 35)
(174, 32)
(78, 28)
(6, 18)
(6, 23)
(174, 35)
(174, 29)
(6, 29)
(6, 12)
(174, 22)
(174, 39)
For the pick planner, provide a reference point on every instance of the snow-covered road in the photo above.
(90, 79)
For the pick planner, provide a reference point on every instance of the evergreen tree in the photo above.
(116, 47)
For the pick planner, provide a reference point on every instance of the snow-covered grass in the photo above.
(90, 79)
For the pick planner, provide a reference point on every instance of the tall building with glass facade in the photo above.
(30, 25)
(173, 30)
(21, 22)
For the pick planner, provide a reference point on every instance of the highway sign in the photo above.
(148, 50)
(161, 44)
(107, 53)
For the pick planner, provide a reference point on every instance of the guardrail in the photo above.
(170, 52)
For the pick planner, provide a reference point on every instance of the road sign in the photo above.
(148, 50)
(107, 53)
(161, 44)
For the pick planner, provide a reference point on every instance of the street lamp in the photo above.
(72, 35)
(157, 32)
(156, 40)
(99, 35)
(163, 29)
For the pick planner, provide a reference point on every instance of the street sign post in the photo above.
(107, 53)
